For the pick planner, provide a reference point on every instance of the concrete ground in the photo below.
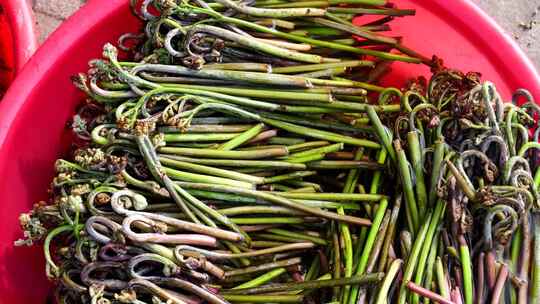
(517, 17)
(51, 13)
(520, 19)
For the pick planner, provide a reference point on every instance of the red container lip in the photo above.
(37, 68)
(501, 46)
(24, 171)
(21, 22)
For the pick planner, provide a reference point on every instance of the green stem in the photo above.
(390, 235)
(418, 167)
(528, 146)
(226, 197)
(316, 284)
(462, 181)
(316, 123)
(353, 175)
(348, 27)
(407, 185)
(261, 280)
(329, 73)
(313, 270)
(287, 141)
(441, 279)
(221, 218)
(315, 3)
(318, 67)
(320, 134)
(260, 92)
(210, 153)
(333, 196)
(336, 252)
(237, 76)
(438, 156)
(425, 250)
(185, 165)
(298, 236)
(343, 164)
(283, 201)
(275, 49)
(535, 277)
(241, 138)
(428, 280)
(146, 149)
(258, 210)
(210, 128)
(199, 178)
(293, 175)
(47, 245)
(372, 11)
(466, 271)
(383, 293)
(178, 137)
(226, 256)
(382, 132)
(413, 259)
(349, 187)
(329, 205)
(379, 240)
(321, 150)
(376, 181)
(244, 261)
(306, 159)
(314, 42)
(239, 66)
(262, 267)
(267, 220)
(234, 163)
(263, 298)
(272, 13)
(360, 269)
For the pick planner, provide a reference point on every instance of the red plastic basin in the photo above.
(34, 112)
(17, 38)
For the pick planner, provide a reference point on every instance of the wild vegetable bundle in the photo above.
(243, 153)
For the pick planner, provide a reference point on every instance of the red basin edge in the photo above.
(21, 21)
(41, 100)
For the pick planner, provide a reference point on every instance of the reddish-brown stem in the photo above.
(480, 278)
(295, 271)
(253, 228)
(524, 261)
(340, 155)
(162, 238)
(323, 261)
(428, 293)
(456, 296)
(499, 284)
(491, 271)
(458, 277)
(263, 136)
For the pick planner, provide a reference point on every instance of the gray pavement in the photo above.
(51, 13)
(517, 17)
(520, 19)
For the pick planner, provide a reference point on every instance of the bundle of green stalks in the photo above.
(469, 173)
(243, 152)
